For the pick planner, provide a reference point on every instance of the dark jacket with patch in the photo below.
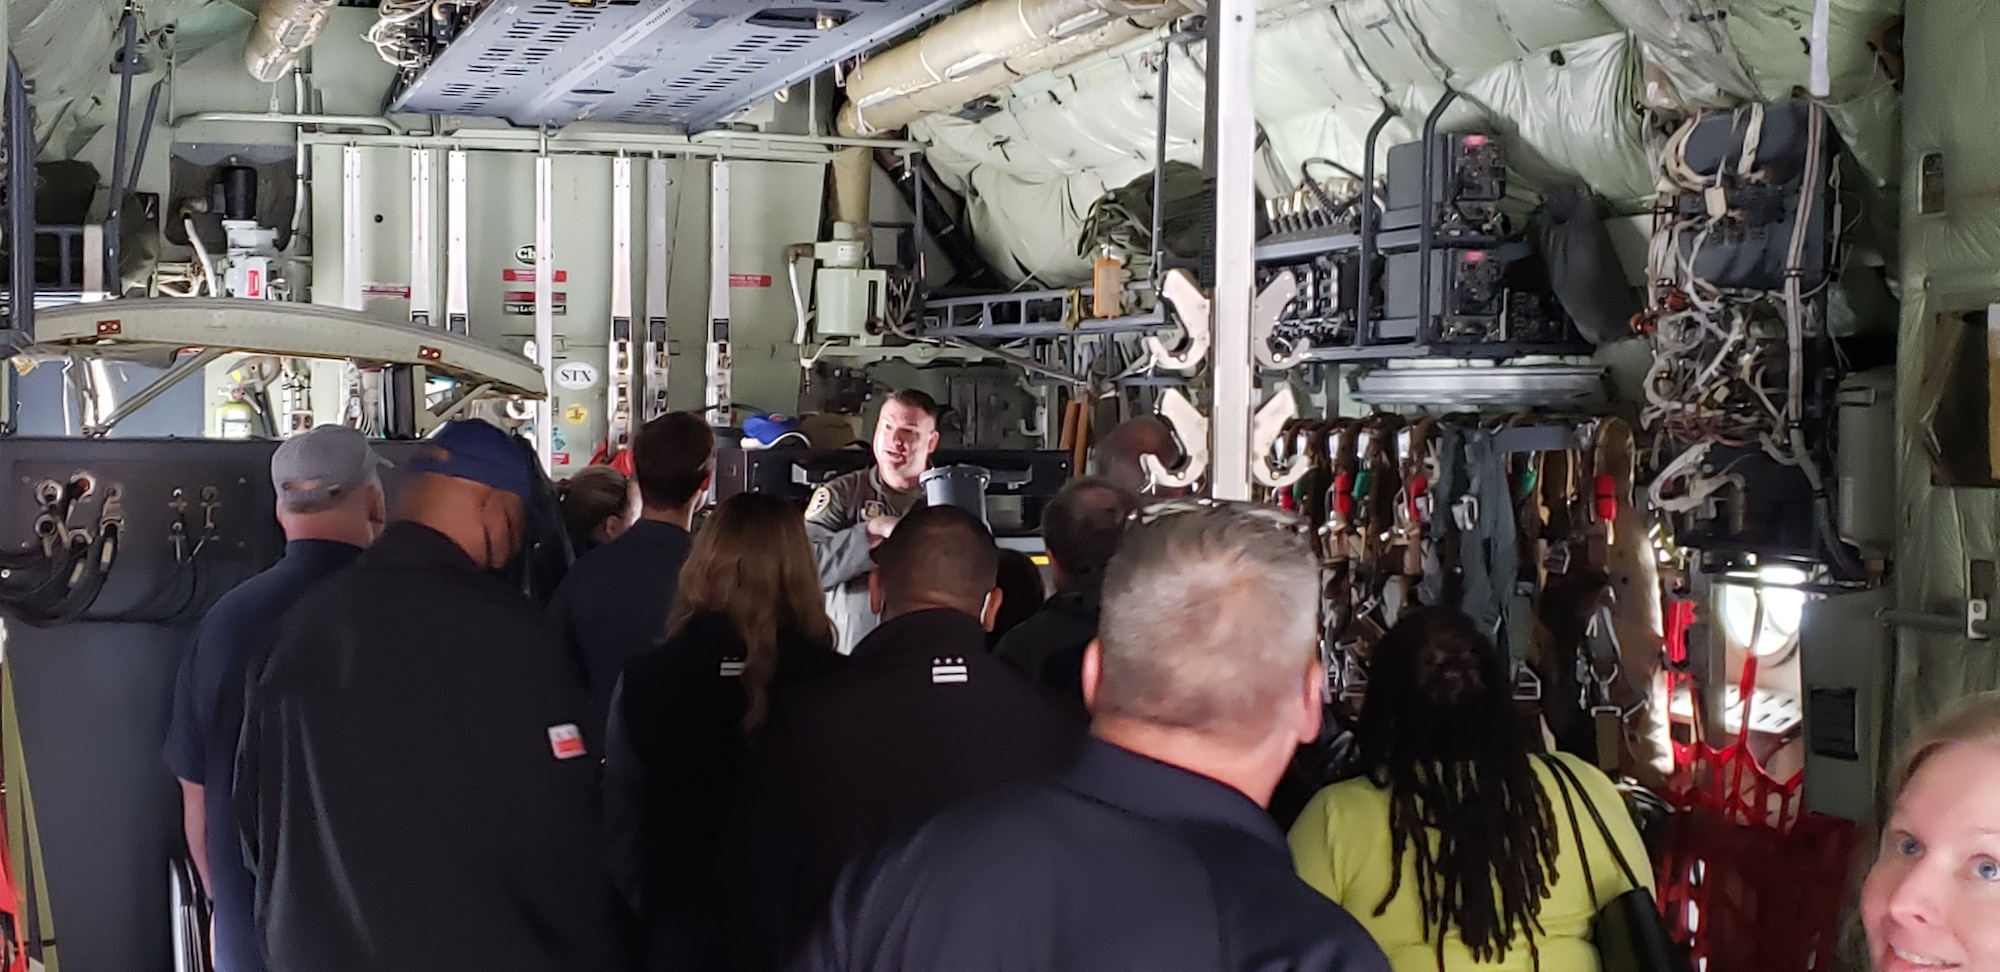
(837, 524)
(414, 787)
(921, 717)
(675, 751)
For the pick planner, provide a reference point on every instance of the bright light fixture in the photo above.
(1783, 607)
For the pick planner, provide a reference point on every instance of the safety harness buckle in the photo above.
(1466, 513)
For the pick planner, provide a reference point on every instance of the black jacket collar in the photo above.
(1149, 788)
(408, 544)
(1081, 598)
(653, 532)
(926, 633)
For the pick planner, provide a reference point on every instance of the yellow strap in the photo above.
(24, 838)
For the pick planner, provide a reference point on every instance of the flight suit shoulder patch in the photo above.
(822, 500)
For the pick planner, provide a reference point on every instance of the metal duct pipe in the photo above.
(853, 171)
(983, 49)
(285, 28)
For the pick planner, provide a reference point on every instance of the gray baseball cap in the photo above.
(317, 469)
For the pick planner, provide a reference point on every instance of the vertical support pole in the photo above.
(545, 304)
(350, 228)
(95, 286)
(1165, 96)
(917, 203)
(12, 118)
(1235, 127)
(661, 195)
(423, 252)
(457, 287)
(718, 399)
(21, 205)
(618, 433)
(114, 220)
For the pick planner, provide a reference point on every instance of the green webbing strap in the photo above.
(24, 838)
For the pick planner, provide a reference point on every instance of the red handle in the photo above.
(1607, 498)
(1343, 493)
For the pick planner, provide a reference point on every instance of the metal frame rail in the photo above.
(1029, 314)
(1056, 313)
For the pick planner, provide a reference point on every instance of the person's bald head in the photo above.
(938, 557)
(1119, 451)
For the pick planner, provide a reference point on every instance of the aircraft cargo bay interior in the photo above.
(670, 484)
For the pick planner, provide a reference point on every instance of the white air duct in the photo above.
(284, 29)
(985, 48)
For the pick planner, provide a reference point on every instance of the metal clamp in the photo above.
(1194, 312)
(1350, 673)
(1266, 428)
(1190, 427)
(1271, 304)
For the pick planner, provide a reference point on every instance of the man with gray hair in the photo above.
(1154, 851)
(330, 505)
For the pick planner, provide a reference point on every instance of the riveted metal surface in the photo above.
(687, 64)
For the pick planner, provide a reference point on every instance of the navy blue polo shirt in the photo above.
(208, 721)
(614, 605)
(1121, 864)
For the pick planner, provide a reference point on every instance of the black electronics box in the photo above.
(1468, 180)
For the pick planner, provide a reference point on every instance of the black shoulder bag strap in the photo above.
(1628, 932)
(1566, 780)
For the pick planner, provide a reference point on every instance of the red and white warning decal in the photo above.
(512, 275)
(566, 741)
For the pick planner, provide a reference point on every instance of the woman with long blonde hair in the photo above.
(748, 620)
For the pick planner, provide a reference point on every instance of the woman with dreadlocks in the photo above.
(1454, 846)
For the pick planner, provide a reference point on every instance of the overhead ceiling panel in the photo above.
(687, 64)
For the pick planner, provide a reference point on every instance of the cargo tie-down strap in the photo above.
(33, 922)
(1484, 515)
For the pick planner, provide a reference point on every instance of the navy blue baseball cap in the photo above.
(479, 452)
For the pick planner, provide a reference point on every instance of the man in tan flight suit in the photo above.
(853, 514)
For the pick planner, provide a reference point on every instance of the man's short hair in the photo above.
(670, 459)
(916, 399)
(1083, 523)
(1210, 618)
(941, 552)
(1119, 451)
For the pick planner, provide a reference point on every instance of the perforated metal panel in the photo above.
(682, 63)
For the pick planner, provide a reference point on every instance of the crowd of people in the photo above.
(803, 739)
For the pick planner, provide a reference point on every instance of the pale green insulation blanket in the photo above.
(66, 48)
(1950, 264)
(1565, 80)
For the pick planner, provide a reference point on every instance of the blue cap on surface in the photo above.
(771, 431)
(479, 452)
